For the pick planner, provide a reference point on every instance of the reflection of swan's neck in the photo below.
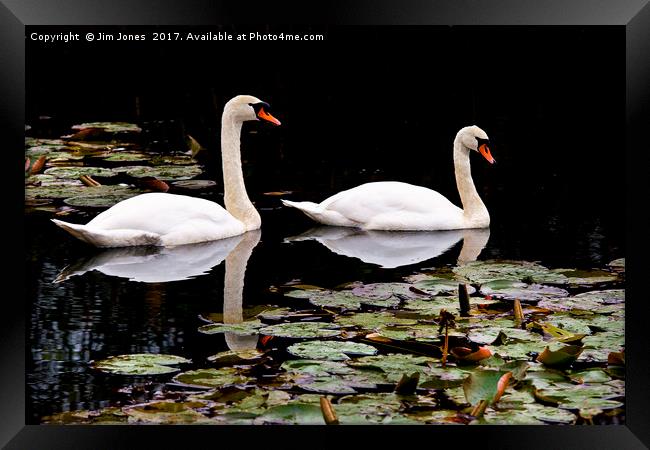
(235, 197)
(473, 207)
(474, 241)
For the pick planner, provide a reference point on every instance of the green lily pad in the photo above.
(511, 290)
(108, 198)
(434, 285)
(486, 385)
(302, 330)
(109, 127)
(562, 357)
(594, 375)
(528, 272)
(128, 157)
(488, 335)
(104, 416)
(140, 364)
(249, 328)
(167, 412)
(331, 350)
(316, 368)
(424, 333)
(194, 184)
(599, 302)
(163, 173)
(372, 320)
(76, 172)
(292, 414)
(210, 378)
(372, 409)
(384, 291)
(178, 160)
(394, 365)
(587, 277)
(236, 357)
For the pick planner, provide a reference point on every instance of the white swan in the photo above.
(168, 219)
(396, 206)
(391, 249)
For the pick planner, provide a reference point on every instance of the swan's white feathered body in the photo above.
(385, 205)
(157, 219)
(396, 206)
(168, 219)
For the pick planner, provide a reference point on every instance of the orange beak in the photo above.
(485, 151)
(266, 116)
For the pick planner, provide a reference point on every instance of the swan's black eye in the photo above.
(482, 141)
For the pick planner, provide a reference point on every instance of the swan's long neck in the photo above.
(474, 209)
(235, 197)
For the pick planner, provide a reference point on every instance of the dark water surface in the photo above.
(95, 315)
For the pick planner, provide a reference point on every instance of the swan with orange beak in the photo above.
(397, 206)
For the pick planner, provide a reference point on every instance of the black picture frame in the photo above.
(633, 15)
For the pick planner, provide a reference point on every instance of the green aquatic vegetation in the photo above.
(292, 414)
(127, 157)
(528, 272)
(163, 173)
(501, 335)
(236, 357)
(104, 198)
(77, 171)
(485, 385)
(140, 364)
(179, 160)
(302, 330)
(372, 321)
(104, 416)
(510, 290)
(587, 277)
(211, 378)
(167, 412)
(194, 184)
(109, 127)
(249, 328)
(435, 285)
(331, 350)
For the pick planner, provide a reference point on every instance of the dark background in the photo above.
(373, 103)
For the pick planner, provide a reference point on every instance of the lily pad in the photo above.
(236, 357)
(110, 127)
(99, 200)
(178, 160)
(562, 357)
(292, 414)
(488, 335)
(164, 173)
(76, 172)
(511, 290)
(140, 364)
(127, 157)
(194, 184)
(587, 277)
(394, 365)
(167, 412)
(249, 328)
(372, 409)
(104, 416)
(384, 291)
(372, 320)
(210, 378)
(302, 330)
(528, 272)
(331, 350)
(488, 385)
(434, 285)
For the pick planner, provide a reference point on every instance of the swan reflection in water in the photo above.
(391, 249)
(164, 264)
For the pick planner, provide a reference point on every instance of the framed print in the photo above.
(372, 218)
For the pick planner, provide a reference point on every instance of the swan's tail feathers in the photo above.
(109, 238)
(312, 210)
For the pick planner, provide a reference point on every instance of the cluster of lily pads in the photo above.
(381, 353)
(100, 164)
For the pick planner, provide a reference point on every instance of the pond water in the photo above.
(99, 312)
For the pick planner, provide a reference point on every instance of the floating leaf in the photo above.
(110, 127)
(194, 184)
(563, 357)
(510, 290)
(236, 357)
(434, 285)
(76, 172)
(302, 330)
(587, 277)
(501, 335)
(164, 173)
(127, 157)
(241, 329)
(292, 414)
(210, 378)
(488, 385)
(528, 272)
(140, 364)
(167, 412)
(372, 320)
(331, 350)
(105, 416)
